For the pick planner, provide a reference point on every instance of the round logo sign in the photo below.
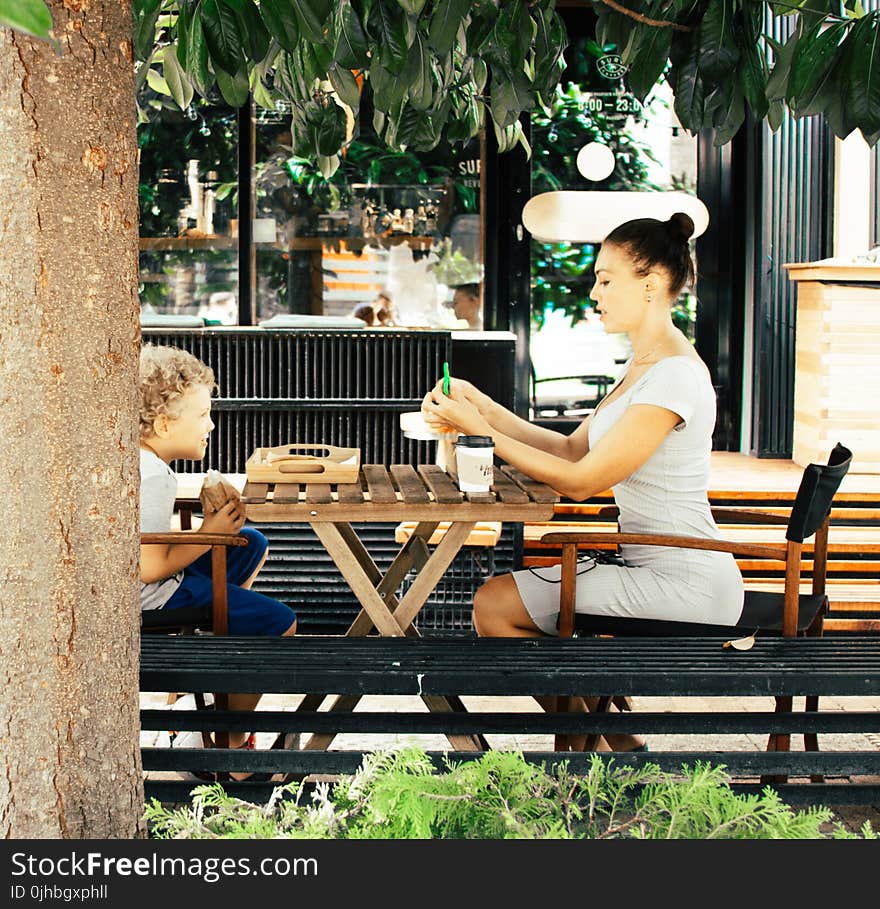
(610, 66)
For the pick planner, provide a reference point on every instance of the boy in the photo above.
(175, 421)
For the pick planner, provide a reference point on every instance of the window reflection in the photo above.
(188, 210)
(402, 227)
(574, 361)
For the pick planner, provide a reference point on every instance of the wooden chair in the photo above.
(189, 619)
(789, 613)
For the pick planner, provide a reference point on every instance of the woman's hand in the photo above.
(470, 392)
(229, 519)
(456, 409)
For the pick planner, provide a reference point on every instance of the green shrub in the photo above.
(399, 795)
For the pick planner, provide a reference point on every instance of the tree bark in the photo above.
(69, 341)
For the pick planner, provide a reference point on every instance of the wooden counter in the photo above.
(837, 362)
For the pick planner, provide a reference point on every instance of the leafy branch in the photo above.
(657, 23)
(429, 65)
(400, 795)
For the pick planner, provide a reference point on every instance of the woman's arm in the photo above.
(162, 560)
(503, 421)
(619, 453)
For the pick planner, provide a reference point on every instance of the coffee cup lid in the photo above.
(476, 441)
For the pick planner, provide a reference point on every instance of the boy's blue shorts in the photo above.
(250, 613)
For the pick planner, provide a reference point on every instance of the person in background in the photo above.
(467, 306)
(648, 440)
(365, 312)
(175, 422)
(384, 309)
(380, 312)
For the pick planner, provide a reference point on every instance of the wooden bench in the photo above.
(839, 666)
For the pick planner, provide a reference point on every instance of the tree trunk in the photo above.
(69, 340)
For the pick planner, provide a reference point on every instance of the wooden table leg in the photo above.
(361, 570)
(434, 569)
(413, 553)
(358, 579)
(425, 581)
(381, 609)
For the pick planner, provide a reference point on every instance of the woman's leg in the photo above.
(499, 613)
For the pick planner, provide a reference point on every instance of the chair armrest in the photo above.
(194, 538)
(747, 516)
(763, 550)
(218, 543)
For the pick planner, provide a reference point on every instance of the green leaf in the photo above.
(321, 128)
(256, 38)
(345, 85)
(863, 85)
(718, 51)
(778, 81)
(235, 89)
(197, 59)
(182, 32)
(29, 16)
(775, 115)
(157, 83)
(445, 23)
(221, 28)
(730, 118)
(144, 26)
(417, 75)
(481, 75)
(510, 95)
(871, 138)
(753, 79)
(351, 43)
(313, 16)
(550, 41)
(514, 30)
(388, 89)
(814, 58)
(389, 26)
(648, 60)
(280, 22)
(261, 97)
(689, 92)
(328, 165)
(178, 83)
(480, 27)
(413, 7)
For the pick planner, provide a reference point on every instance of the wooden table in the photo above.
(427, 496)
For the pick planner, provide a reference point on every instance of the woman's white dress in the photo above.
(666, 495)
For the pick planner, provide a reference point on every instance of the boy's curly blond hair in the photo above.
(166, 374)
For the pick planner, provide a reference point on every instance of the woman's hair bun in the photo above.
(680, 226)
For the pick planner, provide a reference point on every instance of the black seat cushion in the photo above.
(185, 617)
(762, 610)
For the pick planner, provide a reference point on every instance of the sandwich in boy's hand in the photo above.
(216, 492)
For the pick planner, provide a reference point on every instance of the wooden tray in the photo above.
(304, 462)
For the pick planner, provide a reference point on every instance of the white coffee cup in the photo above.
(473, 458)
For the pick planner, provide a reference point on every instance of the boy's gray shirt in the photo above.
(158, 492)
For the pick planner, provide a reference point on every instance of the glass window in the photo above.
(188, 210)
(392, 238)
(574, 361)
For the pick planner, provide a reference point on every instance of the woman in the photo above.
(649, 440)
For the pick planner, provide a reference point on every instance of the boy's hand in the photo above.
(229, 519)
